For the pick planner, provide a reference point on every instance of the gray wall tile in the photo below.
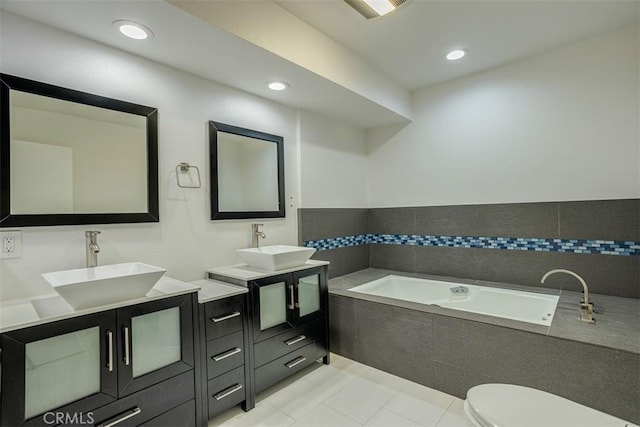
(344, 260)
(518, 220)
(387, 335)
(450, 379)
(392, 221)
(506, 355)
(446, 261)
(447, 220)
(448, 341)
(342, 326)
(314, 224)
(517, 267)
(604, 379)
(604, 274)
(393, 257)
(600, 219)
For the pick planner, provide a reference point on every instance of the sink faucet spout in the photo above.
(92, 248)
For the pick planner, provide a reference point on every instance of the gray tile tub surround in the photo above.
(324, 223)
(602, 219)
(453, 354)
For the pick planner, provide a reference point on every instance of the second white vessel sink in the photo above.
(275, 257)
(106, 284)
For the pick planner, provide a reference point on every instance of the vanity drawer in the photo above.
(183, 415)
(142, 406)
(274, 347)
(224, 354)
(224, 316)
(286, 365)
(226, 391)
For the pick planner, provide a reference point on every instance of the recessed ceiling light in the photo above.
(277, 85)
(133, 30)
(456, 54)
(375, 8)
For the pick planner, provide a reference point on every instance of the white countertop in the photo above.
(212, 290)
(245, 273)
(25, 312)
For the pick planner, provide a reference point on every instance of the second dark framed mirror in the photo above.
(247, 173)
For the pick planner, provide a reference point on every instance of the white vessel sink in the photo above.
(276, 257)
(107, 284)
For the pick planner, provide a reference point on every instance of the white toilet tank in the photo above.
(507, 405)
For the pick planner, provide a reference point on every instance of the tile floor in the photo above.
(346, 394)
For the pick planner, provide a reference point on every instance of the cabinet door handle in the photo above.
(227, 317)
(295, 362)
(126, 346)
(297, 339)
(226, 392)
(120, 418)
(110, 351)
(226, 354)
(292, 305)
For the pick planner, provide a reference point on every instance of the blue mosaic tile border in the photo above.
(600, 247)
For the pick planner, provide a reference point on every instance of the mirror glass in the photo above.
(246, 173)
(74, 158)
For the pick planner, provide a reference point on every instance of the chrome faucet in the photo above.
(92, 248)
(256, 234)
(586, 307)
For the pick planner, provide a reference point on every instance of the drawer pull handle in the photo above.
(226, 354)
(295, 362)
(117, 420)
(226, 392)
(227, 317)
(295, 340)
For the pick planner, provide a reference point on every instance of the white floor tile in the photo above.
(312, 390)
(386, 418)
(420, 404)
(262, 415)
(360, 400)
(454, 417)
(322, 416)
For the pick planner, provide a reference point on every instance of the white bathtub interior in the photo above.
(523, 306)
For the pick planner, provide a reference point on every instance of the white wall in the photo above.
(333, 164)
(186, 241)
(562, 125)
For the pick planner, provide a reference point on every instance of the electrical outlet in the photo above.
(10, 244)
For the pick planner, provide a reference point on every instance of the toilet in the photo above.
(508, 405)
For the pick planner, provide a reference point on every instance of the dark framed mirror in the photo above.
(247, 173)
(69, 157)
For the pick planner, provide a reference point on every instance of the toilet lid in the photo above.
(507, 405)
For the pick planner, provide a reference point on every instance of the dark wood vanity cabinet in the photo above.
(224, 354)
(289, 317)
(131, 366)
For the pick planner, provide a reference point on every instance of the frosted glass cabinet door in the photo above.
(273, 305)
(309, 294)
(49, 363)
(155, 340)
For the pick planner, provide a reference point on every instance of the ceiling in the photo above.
(409, 44)
(336, 62)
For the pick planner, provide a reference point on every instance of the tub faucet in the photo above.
(586, 308)
(256, 234)
(92, 248)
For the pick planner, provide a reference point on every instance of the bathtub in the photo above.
(509, 304)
